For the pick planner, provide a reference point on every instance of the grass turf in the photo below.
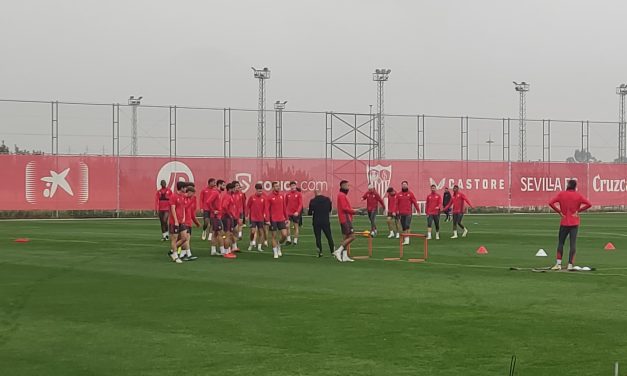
(99, 297)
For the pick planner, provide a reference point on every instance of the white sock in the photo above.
(295, 240)
(275, 250)
(253, 243)
(239, 234)
(429, 233)
(167, 233)
(213, 249)
(289, 238)
(559, 262)
(189, 252)
(455, 232)
(210, 236)
(235, 245)
(222, 250)
(341, 248)
(163, 234)
(259, 247)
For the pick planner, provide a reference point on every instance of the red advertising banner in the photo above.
(129, 183)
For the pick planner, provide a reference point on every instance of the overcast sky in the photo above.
(446, 57)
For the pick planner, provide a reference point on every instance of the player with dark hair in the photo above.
(257, 217)
(277, 218)
(239, 198)
(162, 206)
(373, 199)
(215, 218)
(392, 214)
(320, 208)
(345, 214)
(457, 202)
(228, 211)
(177, 219)
(294, 207)
(433, 205)
(446, 198)
(404, 200)
(568, 204)
(206, 213)
(190, 217)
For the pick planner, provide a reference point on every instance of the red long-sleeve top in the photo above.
(212, 202)
(257, 208)
(457, 202)
(294, 202)
(404, 202)
(570, 204)
(228, 207)
(344, 210)
(433, 204)
(392, 204)
(277, 211)
(372, 200)
(204, 194)
(190, 211)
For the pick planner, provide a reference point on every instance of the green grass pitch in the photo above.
(99, 297)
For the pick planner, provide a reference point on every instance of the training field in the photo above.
(99, 297)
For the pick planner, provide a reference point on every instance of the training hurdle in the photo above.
(401, 252)
(365, 234)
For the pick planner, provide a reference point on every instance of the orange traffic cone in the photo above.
(22, 240)
(482, 250)
(609, 247)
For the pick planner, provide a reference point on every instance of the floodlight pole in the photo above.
(134, 103)
(262, 75)
(278, 123)
(621, 90)
(380, 76)
(522, 88)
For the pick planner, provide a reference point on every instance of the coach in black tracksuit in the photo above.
(320, 208)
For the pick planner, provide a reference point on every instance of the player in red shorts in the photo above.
(228, 210)
(294, 207)
(177, 218)
(257, 217)
(345, 214)
(162, 206)
(277, 218)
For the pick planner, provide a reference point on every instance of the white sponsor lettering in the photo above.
(543, 184)
(245, 179)
(609, 185)
(476, 183)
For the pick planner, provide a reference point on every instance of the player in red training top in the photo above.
(404, 201)
(240, 204)
(228, 211)
(392, 214)
(276, 217)
(373, 199)
(177, 219)
(571, 203)
(433, 206)
(190, 217)
(162, 206)
(206, 213)
(294, 207)
(457, 202)
(215, 218)
(345, 214)
(257, 210)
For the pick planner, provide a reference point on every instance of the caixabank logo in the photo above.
(62, 184)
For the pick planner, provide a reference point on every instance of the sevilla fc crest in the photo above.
(380, 177)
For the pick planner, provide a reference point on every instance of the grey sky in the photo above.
(447, 57)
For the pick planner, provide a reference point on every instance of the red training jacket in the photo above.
(228, 206)
(404, 202)
(372, 200)
(212, 201)
(434, 204)
(276, 210)
(570, 204)
(457, 202)
(344, 210)
(392, 204)
(257, 208)
(178, 201)
(204, 194)
(190, 211)
(294, 202)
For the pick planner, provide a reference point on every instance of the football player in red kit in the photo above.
(177, 219)
(294, 207)
(433, 206)
(277, 218)
(392, 214)
(257, 210)
(190, 218)
(457, 202)
(405, 199)
(229, 212)
(345, 215)
(162, 206)
(373, 199)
